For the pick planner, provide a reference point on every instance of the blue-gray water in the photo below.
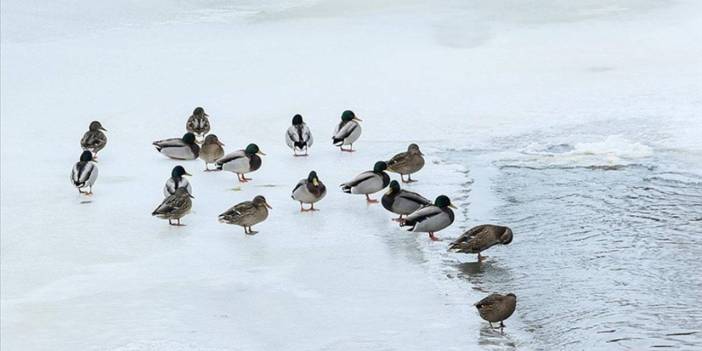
(608, 240)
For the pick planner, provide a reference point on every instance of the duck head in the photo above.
(212, 139)
(297, 120)
(199, 111)
(348, 116)
(443, 201)
(312, 178)
(95, 126)
(189, 138)
(506, 237)
(178, 172)
(252, 149)
(414, 149)
(380, 166)
(394, 187)
(261, 201)
(86, 156)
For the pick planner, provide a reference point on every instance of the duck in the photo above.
(198, 123)
(94, 139)
(497, 308)
(298, 136)
(481, 238)
(85, 173)
(174, 207)
(406, 163)
(247, 214)
(211, 150)
(348, 131)
(402, 202)
(241, 162)
(177, 181)
(183, 148)
(368, 182)
(309, 191)
(432, 218)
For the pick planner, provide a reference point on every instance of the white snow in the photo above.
(105, 275)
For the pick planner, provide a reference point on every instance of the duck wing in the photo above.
(414, 197)
(238, 211)
(421, 215)
(344, 131)
(171, 204)
(93, 139)
(230, 157)
(399, 161)
(172, 142)
(489, 302)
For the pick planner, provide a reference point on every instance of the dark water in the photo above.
(607, 252)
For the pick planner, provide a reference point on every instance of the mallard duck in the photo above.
(183, 148)
(198, 123)
(497, 308)
(309, 191)
(432, 218)
(247, 214)
(211, 150)
(175, 206)
(241, 162)
(298, 136)
(401, 201)
(85, 173)
(407, 162)
(348, 131)
(94, 139)
(177, 181)
(368, 182)
(481, 238)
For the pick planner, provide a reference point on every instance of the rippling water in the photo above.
(608, 240)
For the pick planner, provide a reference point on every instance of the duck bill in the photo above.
(187, 174)
(261, 153)
(452, 206)
(103, 129)
(192, 197)
(315, 182)
(269, 206)
(389, 192)
(357, 119)
(220, 143)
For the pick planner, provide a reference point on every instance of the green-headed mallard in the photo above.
(183, 148)
(175, 206)
(241, 162)
(198, 123)
(432, 218)
(211, 150)
(94, 139)
(84, 173)
(299, 136)
(176, 181)
(368, 182)
(402, 202)
(348, 131)
(481, 238)
(406, 163)
(247, 214)
(309, 191)
(497, 308)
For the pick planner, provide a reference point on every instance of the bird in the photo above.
(402, 202)
(497, 308)
(175, 206)
(211, 150)
(368, 182)
(241, 162)
(94, 139)
(309, 191)
(198, 123)
(177, 181)
(298, 136)
(183, 148)
(348, 131)
(481, 238)
(247, 214)
(432, 218)
(85, 173)
(406, 163)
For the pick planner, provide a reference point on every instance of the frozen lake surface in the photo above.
(577, 125)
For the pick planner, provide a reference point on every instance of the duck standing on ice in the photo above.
(406, 163)
(94, 139)
(348, 131)
(247, 214)
(84, 173)
(299, 136)
(198, 123)
(211, 150)
(497, 308)
(368, 182)
(183, 148)
(481, 238)
(401, 201)
(432, 218)
(174, 207)
(241, 162)
(309, 191)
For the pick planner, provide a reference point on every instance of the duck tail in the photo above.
(346, 188)
(336, 141)
(218, 166)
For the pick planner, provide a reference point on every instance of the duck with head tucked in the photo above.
(406, 163)
(247, 214)
(432, 218)
(299, 137)
(198, 123)
(347, 131)
(183, 148)
(481, 238)
(309, 191)
(84, 173)
(211, 150)
(241, 162)
(368, 182)
(401, 201)
(176, 181)
(174, 207)
(497, 308)
(94, 139)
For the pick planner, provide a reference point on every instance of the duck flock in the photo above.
(415, 212)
